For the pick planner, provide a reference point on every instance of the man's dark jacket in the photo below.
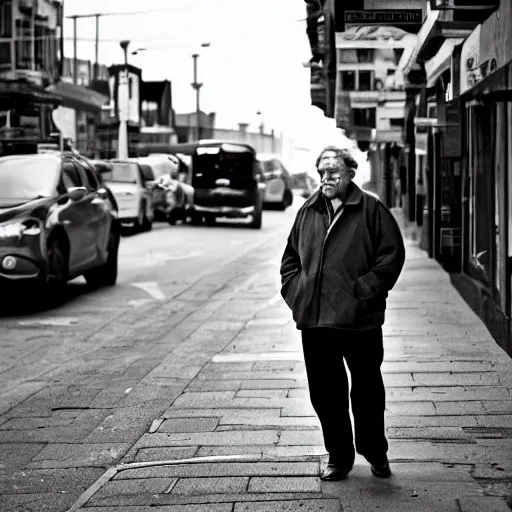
(341, 280)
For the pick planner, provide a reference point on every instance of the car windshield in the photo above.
(122, 174)
(25, 178)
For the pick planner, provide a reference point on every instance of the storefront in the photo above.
(486, 108)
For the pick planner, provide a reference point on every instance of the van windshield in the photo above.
(213, 163)
(122, 174)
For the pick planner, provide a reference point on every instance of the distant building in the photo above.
(30, 61)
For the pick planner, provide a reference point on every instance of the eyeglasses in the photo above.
(330, 176)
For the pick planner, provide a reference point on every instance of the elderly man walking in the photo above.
(344, 253)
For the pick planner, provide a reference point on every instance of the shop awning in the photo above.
(441, 61)
(13, 92)
(78, 97)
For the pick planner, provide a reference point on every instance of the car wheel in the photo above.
(55, 281)
(287, 200)
(138, 225)
(257, 216)
(147, 224)
(210, 220)
(172, 217)
(196, 219)
(106, 274)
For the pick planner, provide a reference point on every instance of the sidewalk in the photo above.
(243, 437)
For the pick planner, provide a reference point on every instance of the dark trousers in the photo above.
(324, 351)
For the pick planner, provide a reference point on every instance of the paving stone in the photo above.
(305, 505)
(47, 481)
(426, 433)
(69, 456)
(457, 379)
(299, 438)
(482, 504)
(162, 453)
(283, 484)
(262, 393)
(440, 366)
(209, 507)
(177, 425)
(133, 486)
(219, 413)
(502, 420)
(459, 408)
(209, 439)
(411, 408)
(273, 384)
(35, 502)
(266, 375)
(17, 455)
(214, 385)
(498, 406)
(273, 422)
(433, 421)
(218, 469)
(209, 451)
(200, 486)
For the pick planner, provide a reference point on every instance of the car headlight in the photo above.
(18, 229)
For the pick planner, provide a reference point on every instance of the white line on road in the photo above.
(54, 322)
(160, 257)
(151, 288)
(275, 299)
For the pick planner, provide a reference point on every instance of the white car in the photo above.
(133, 197)
(278, 193)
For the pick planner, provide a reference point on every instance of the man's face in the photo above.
(334, 175)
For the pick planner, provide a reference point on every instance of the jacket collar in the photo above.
(355, 196)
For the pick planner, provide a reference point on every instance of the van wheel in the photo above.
(106, 274)
(147, 225)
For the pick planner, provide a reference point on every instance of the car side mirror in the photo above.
(77, 193)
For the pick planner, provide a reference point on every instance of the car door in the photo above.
(99, 220)
(73, 218)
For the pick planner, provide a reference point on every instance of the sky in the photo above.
(253, 63)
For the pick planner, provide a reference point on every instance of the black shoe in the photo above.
(381, 469)
(333, 472)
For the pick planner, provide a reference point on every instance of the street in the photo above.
(192, 355)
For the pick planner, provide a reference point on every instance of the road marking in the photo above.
(247, 283)
(268, 356)
(160, 257)
(151, 288)
(53, 322)
(275, 299)
(138, 303)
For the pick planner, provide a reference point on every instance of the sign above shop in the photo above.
(378, 17)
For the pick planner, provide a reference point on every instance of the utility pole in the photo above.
(123, 106)
(197, 86)
(75, 63)
(97, 49)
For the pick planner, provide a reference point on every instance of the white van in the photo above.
(126, 181)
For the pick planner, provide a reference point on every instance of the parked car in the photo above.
(56, 223)
(303, 184)
(225, 176)
(132, 194)
(279, 190)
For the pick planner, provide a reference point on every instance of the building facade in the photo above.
(462, 121)
(370, 99)
(30, 62)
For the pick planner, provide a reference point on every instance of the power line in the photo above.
(126, 13)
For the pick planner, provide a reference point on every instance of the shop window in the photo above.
(6, 19)
(364, 117)
(365, 80)
(348, 80)
(397, 122)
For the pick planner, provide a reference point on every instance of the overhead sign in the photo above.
(394, 17)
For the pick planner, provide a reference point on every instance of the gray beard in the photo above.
(341, 188)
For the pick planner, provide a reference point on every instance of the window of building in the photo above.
(364, 55)
(347, 56)
(348, 80)
(397, 122)
(365, 81)
(6, 19)
(365, 117)
(130, 87)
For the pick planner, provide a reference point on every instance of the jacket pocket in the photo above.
(289, 290)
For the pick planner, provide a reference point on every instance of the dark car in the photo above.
(279, 186)
(56, 223)
(226, 178)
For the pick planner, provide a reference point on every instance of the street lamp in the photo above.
(197, 86)
(124, 105)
